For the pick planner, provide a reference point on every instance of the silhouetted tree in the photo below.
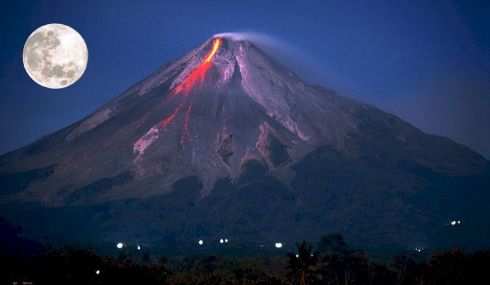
(81, 266)
(403, 266)
(303, 265)
(332, 244)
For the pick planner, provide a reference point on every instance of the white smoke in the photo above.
(303, 64)
(257, 38)
(265, 42)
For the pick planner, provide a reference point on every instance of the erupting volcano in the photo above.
(226, 141)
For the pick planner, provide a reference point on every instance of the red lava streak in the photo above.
(196, 76)
(199, 73)
(163, 124)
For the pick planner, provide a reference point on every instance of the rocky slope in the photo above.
(227, 141)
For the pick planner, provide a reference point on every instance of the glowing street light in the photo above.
(200, 242)
(221, 241)
(119, 245)
(278, 244)
(97, 272)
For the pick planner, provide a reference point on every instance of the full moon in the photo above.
(55, 56)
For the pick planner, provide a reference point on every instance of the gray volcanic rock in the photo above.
(210, 130)
(226, 128)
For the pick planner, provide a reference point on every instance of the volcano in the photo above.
(228, 142)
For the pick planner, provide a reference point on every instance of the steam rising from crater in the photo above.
(305, 65)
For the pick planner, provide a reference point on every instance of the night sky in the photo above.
(426, 61)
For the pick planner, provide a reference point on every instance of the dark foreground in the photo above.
(330, 262)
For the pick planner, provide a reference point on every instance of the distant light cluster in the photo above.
(200, 242)
(220, 241)
(454, 223)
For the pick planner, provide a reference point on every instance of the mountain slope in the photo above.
(229, 141)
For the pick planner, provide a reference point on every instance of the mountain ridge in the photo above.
(227, 124)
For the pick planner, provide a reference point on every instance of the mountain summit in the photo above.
(227, 141)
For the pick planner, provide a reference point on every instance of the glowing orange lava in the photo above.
(196, 76)
(199, 73)
(216, 45)
(163, 124)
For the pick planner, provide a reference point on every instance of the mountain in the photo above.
(227, 142)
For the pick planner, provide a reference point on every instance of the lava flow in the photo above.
(199, 73)
(196, 76)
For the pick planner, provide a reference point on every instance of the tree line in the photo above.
(331, 261)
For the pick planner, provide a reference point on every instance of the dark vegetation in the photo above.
(13, 183)
(88, 192)
(372, 199)
(331, 261)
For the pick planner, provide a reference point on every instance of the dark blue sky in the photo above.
(425, 61)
